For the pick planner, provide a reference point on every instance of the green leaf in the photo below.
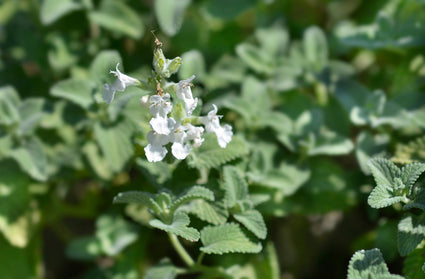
(315, 48)
(116, 16)
(211, 155)
(18, 262)
(253, 221)
(52, 10)
(97, 162)
(169, 14)
(115, 143)
(84, 248)
(31, 159)
(221, 9)
(255, 58)
(384, 171)
(383, 196)
(213, 213)
(417, 202)
(9, 102)
(193, 63)
(196, 192)
(287, 178)
(79, 92)
(163, 270)
(369, 145)
(227, 238)
(178, 227)
(235, 186)
(413, 264)
(31, 112)
(138, 197)
(104, 62)
(330, 143)
(411, 232)
(369, 264)
(114, 234)
(411, 172)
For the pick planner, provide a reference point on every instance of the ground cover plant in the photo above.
(212, 139)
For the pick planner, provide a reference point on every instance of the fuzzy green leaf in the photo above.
(31, 113)
(211, 155)
(411, 232)
(315, 47)
(137, 197)
(369, 145)
(418, 201)
(383, 196)
(227, 238)
(384, 171)
(411, 172)
(79, 92)
(369, 264)
(255, 58)
(208, 212)
(9, 102)
(235, 186)
(253, 221)
(178, 227)
(196, 192)
(170, 15)
(118, 17)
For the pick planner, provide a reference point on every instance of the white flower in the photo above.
(155, 150)
(160, 105)
(120, 84)
(144, 101)
(179, 149)
(195, 133)
(212, 125)
(162, 125)
(185, 93)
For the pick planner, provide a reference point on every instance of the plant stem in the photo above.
(199, 260)
(180, 250)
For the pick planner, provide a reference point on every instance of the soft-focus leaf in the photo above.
(163, 270)
(138, 197)
(253, 221)
(52, 10)
(9, 102)
(413, 265)
(103, 63)
(227, 238)
(411, 232)
(170, 14)
(315, 47)
(84, 248)
(79, 92)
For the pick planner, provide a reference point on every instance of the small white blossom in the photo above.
(179, 149)
(155, 150)
(195, 133)
(212, 125)
(184, 92)
(162, 125)
(160, 105)
(144, 101)
(120, 84)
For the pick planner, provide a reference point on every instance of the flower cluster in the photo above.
(173, 123)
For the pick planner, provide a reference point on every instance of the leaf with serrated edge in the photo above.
(196, 192)
(411, 232)
(178, 227)
(382, 196)
(253, 221)
(235, 186)
(211, 213)
(138, 197)
(418, 202)
(369, 264)
(211, 155)
(411, 172)
(384, 171)
(165, 269)
(227, 238)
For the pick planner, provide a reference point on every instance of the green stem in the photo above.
(201, 256)
(180, 250)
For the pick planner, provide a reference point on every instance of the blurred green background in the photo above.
(313, 89)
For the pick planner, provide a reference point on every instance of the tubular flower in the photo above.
(184, 92)
(120, 84)
(212, 125)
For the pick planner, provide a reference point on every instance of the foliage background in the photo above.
(312, 89)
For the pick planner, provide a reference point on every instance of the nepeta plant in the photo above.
(230, 221)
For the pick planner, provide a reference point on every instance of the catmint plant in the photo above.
(172, 119)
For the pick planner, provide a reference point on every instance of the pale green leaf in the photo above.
(253, 221)
(211, 155)
(163, 270)
(235, 186)
(97, 162)
(227, 238)
(143, 198)
(31, 112)
(330, 143)
(315, 48)
(411, 172)
(115, 143)
(383, 196)
(170, 14)
(79, 92)
(116, 16)
(255, 58)
(9, 102)
(193, 63)
(221, 9)
(31, 159)
(84, 248)
(213, 213)
(384, 171)
(178, 227)
(417, 202)
(411, 232)
(369, 145)
(193, 193)
(369, 264)
(52, 10)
